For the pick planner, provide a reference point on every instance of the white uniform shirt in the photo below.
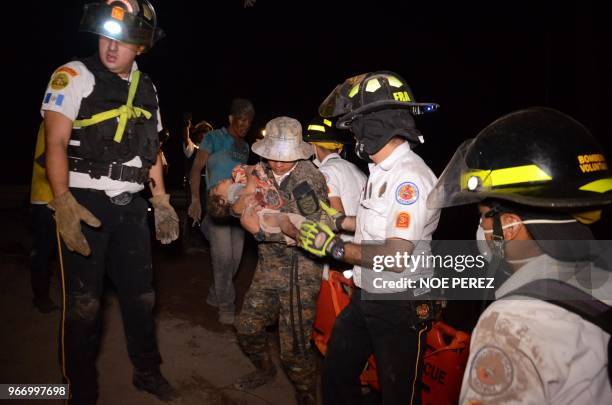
(534, 352)
(65, 97)
(393, 206)
(345, 181)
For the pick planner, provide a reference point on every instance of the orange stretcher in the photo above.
(445, 356)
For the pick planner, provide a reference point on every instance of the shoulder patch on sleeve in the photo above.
(407, 193)
(402, 220)
(60, 80)
(492, 372)
(68, 70)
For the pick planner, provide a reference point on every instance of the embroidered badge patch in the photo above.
(492, 372)
(407, 193)
(402, 220)
(68, 70)
(60, 80)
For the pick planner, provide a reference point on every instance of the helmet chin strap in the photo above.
(498, 235)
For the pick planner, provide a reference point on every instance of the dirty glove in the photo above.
(336, 216)
(166, 220)
(195, 210)
(318, 239)
(68, 216)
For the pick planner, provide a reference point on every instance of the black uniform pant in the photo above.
(45, 243)
(121, 249)
(388, 329)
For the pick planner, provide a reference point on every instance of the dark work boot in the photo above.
(264, 373)
(154, 383)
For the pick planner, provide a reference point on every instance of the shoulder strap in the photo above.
(575, 300)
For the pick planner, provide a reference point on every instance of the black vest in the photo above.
(140, 136)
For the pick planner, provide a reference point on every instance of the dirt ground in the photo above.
(201, 356)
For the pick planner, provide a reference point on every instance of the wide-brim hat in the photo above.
(283, 141)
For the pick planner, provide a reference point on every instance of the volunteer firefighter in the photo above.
(286, 280)
(392, 218)
(539, 177)
(344, 180)
(102, 119)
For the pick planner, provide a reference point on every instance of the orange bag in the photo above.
(445, 357)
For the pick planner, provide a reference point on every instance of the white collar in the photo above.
(330, 156)
(390, 161)
(279, 178)
(132, 70)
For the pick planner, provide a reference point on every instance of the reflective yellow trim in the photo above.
(125, 112)
(394, 81)
(329, 145)
(327, 122)
(64, 303)
(319, 128)
(416, 364)
(372, 85)
(598, 186)
(506, 176)
(588, 217)
(353, 90)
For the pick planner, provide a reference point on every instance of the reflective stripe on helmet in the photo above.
(598, 186)
(503, 177)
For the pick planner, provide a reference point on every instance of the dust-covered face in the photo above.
(280, 168)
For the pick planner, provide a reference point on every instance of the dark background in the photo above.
(477, 60)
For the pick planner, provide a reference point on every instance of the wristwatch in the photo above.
(338, 222)
(336, 250)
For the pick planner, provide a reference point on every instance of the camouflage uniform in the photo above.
(271, 295)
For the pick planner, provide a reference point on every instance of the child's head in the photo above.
(217, 203)
(221, 196)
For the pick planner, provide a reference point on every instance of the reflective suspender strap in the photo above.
(124, 112)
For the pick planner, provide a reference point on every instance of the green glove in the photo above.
(336, 216)
(316, 238)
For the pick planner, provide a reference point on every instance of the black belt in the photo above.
(114, 171)
(121, 199)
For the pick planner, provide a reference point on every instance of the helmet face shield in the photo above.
(338, 101)
(537, 157)
(448, 190)
(118, 24)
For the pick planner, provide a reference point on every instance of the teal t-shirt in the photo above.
(224, 153)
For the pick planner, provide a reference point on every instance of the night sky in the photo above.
(477, 60)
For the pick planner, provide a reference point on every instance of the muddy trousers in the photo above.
(390, 331)
(268, 300)
(45, 243)
(121, 250)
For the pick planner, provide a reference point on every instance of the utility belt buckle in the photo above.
(122, 199)
(111, 171)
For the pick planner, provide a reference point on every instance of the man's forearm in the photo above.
(349, 224)
(194, 184)
(157, 175)
(56, 165)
